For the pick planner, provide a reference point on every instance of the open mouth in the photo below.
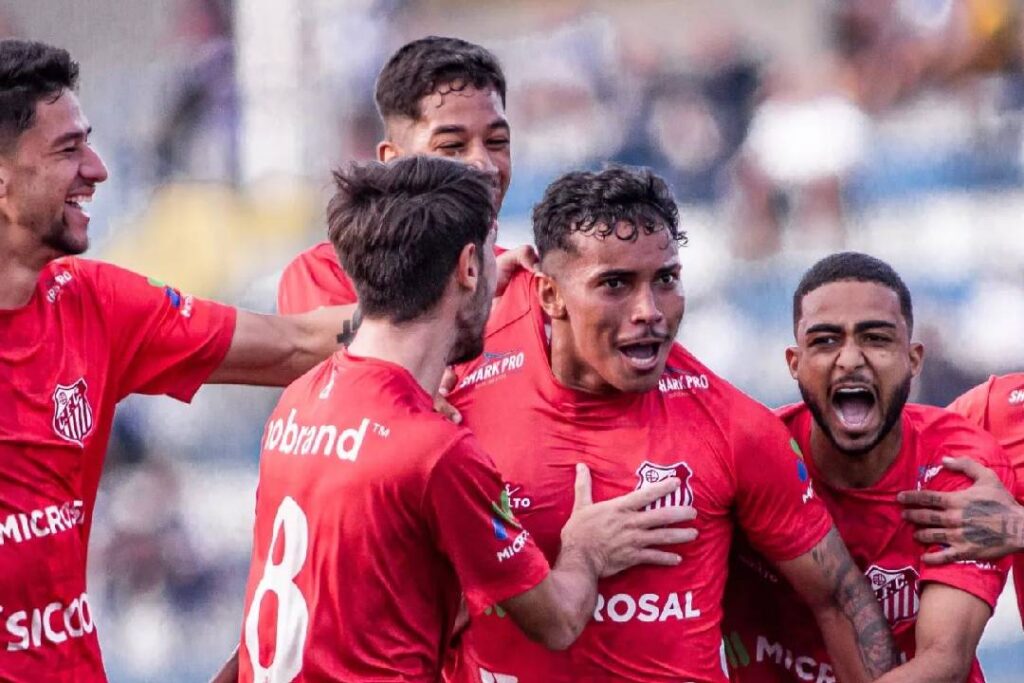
(75, 201)
(642, 355)
(855, 407)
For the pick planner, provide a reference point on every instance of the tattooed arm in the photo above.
(945, 646)
(851, 621)
(982, 522)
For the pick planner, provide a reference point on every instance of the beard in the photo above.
(60, 238)
(471, 323)
(893, 413)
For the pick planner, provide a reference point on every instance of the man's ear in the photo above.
(387, 150)
(467, 270)
(550, 296)
(793, 360)
(916, 358)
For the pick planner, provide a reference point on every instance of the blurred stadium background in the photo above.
(787, 129)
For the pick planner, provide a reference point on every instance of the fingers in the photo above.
(935, 536)
(447, 382)
(927, 499)
(944, 556)
(673, 514)
(667, 536)
(646, 496)
(933, 518)
(441, 405)
(584, 495)
(526, 257)
(971, 468)
(658, 557)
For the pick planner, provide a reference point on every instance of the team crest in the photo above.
(650, 474)
(896, 592)
(72, 414)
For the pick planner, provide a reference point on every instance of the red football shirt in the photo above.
(736, 463)
(90, 335)
(314, 278)
(997, 406)
(373, 515)
(770, 636)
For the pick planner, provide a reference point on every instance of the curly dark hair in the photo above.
(619, 201)
(852, 266)
(30, 71)
(399, 228)
(421, 67)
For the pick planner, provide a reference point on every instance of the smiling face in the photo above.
(615, 307)
(854, 362)
(51, 172)
(464, 123)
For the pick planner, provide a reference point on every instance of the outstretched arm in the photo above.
(274, 350)
(945, 646)
(982, 522)
(851, 621)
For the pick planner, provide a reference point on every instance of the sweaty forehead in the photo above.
(849, 302)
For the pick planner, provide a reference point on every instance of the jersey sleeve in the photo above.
(162, 341)
(775, 502)
(313, 280)
(973, 404)
(982, 579)
(468, 512)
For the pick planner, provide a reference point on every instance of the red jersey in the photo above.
(771, 637)
(90, 335)
(736, 465)
(315, 278)
(374, 515)
(997, 406)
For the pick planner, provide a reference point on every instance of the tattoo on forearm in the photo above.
(348, 329)
(990, 524)
(857, 602)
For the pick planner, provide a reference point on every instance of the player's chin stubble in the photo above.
(897, 400)
(60, 238)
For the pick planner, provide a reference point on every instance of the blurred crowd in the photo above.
(894, 127)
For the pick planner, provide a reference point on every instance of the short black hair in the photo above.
(856, 267)
(419, 68)
(30, 71)
(399, 228)
(598, 203)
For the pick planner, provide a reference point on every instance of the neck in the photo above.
(420, 346)
(843, 470)
(21, 260)
(564, 366)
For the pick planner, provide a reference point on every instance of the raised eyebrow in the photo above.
(451, 128)
(866, 325)
(822, 328)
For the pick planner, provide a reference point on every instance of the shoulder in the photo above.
(513, 305)
(318, 257)
(728, 402)
(941, 432)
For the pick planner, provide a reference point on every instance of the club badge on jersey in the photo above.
(650, 474)
(72, 414)
(896, 591)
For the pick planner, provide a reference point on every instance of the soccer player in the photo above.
(854, 361)
(581, 358)
(375, 514)
(438, 96)
(77, 336)
(983, 522)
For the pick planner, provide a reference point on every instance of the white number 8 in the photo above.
(292, 613)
